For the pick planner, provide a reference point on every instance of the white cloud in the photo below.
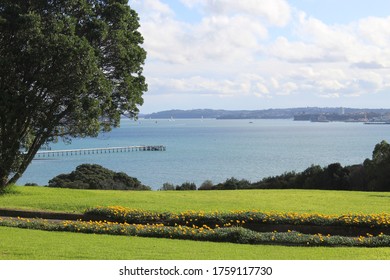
(299, 51)
(217, 37)
(366, 41)
(272, 12)
(330, 95)
(231, 51)
(152, 8)
(375, 30)
(227, 38)
(330, 85)
(165, 41)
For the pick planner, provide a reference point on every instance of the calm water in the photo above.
(218, 149)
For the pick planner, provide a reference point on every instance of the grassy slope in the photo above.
(33, 244)
(309, 201)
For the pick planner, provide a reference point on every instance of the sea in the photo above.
(211, 149)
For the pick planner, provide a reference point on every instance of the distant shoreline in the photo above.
(302, 114)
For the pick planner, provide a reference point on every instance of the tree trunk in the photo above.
(3, 181)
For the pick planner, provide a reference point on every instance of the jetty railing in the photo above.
(89, 151)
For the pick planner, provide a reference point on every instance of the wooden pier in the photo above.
(74, 152)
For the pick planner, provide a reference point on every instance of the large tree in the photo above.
(378, 169)
(68, 68)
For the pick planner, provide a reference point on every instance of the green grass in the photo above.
(302, 201)
(34, 244)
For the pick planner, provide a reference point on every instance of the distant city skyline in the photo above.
(259, 54)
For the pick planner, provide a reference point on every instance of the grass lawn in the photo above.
(303, 201)
(33, 244)
(42, 245)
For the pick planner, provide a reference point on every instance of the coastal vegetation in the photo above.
(372, 175)
(94, 176)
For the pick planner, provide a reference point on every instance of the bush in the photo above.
(187, 186)
(167, 187)
(206, 185)
(28, 184)
(93, 176)
(234, 184)
(287, 180)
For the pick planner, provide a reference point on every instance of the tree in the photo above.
(206, 185)
(167, 187)
(335, 177)
(68, 68)
(378, 169)
(381, 153)
(186, 186)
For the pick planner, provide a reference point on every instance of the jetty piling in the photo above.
(57, 153)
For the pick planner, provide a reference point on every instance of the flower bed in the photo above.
(204, 233)
(350, 224)
(246, 227)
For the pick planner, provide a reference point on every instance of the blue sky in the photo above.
(259, 54)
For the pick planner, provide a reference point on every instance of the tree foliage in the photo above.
(167, 187)
(372, 175)
(94, 176)
(186, 186)
(378, 169)
(68, 68)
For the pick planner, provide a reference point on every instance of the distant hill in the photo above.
(288, 113)
(187, 114)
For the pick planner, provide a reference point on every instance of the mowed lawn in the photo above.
(22, 244)
(33, 244)
(303, 201)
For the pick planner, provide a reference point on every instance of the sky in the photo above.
(261, 54)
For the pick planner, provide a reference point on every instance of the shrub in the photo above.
(93, 176)
(28, 184)
(167, 187)
(234, 184)
(206, 185)
(287, 180)
(187, 186)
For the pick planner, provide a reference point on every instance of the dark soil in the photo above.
(324, 230)
(40, 214)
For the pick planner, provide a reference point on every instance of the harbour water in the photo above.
(209, 149)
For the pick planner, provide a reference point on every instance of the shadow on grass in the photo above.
(9, 190)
